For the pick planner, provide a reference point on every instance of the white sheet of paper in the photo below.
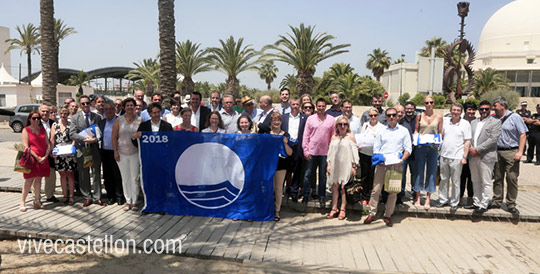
(391, 159)
(64, 150)
(365, 140)
(86, 133)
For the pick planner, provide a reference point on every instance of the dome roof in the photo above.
(515, 28)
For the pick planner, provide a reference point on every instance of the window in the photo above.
(530, 61)
(535, 91)
(2, 100)
(521, 91)
(522, 76)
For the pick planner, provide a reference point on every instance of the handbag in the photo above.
(392, 180)
(352, 191)
(18, 167)
(27, 160)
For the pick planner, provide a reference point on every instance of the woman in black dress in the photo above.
(64, 164)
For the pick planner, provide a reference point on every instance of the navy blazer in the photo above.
(147, 126)
(301, 126)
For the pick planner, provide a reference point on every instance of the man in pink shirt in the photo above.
(317, 134)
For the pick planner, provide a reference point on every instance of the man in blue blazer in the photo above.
(294, 123)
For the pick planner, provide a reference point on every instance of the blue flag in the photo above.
(209, 174)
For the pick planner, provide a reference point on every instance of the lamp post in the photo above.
(401, 74)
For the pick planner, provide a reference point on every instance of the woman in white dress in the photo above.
(342, 161)
(367, 171)
(174, 118)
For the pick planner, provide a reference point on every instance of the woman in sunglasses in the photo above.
(342, 161)
(367, 171)
(308, 108)
(34, 138)
(428, 122)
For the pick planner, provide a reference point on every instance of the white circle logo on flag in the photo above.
(209, 175)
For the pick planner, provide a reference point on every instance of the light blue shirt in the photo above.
(145, 116)
(284, 110)
(355, 126)
(511, 130)
(254, 114)
(107, 133)
(392, 140)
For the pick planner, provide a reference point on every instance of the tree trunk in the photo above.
(29, 61)
(233, 86)
(48, 52)
(188, 86)
(304, 82)
(268, 82)
(167, 46)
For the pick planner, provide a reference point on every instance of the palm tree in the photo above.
(148, 73)
(49, 62)
(190, 61)
(288, 81)
(488, 79)
(346, 84)
(399, 60)
(167, 57)
(267, 72)
(304, 49)
(232, 58)
(336, 70)
(29, 42)
(438, 44)
(80, 79)
(378, 61)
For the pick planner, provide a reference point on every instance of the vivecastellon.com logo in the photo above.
(97, 245)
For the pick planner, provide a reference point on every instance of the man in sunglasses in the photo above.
(510, 148)
(485, 132)
(390, 140)
(79, 122)
(376, 102)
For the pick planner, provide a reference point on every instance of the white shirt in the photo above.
(47, 127)
(479, 127)
(454, 137)
(368, 129)
(173, 120)
(294, 125)
(263, 115)
(392, 140)
(155, 127)
(195, 117)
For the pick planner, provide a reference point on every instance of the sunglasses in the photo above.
(35, 118)
(85, 103)
(483, 109)
(308, 107)
(343, 124)
(373, 115)
(429, 103)
(391, 115)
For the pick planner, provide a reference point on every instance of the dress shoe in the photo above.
(111, 201)
(87, 203)
(494, 206)
(369, 219)
(453, 208)
(537, 163)
(388, 222)
(514, 211)
(471, 207)
(100, 202)
(527, 161)
(53, 199)
(439, 205)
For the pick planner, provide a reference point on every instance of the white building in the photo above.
(510, 43)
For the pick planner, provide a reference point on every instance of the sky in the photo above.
(121, 32)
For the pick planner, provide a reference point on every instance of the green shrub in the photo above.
(390, 104)
(440, 101)
(511, 96)
(470, 99)
(418, 99)
(404, 98)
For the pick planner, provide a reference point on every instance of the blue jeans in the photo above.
(426, 156)
(412, 169)
(312, 164)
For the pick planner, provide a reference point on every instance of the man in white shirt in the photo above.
(456, 137)
(263, 119)
(229, 115)
(200, 113)
(50, 182)
(392, 139)
(354, 121)
(215, 101)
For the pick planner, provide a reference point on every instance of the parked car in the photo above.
(18, 121)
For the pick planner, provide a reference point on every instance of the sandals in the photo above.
(127, 207)
(277, 218)
(333, 213)
(38, 205)
(65, 201)
(134, 207)
(23, 209)
(342, 215)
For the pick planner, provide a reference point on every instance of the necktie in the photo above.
(87, 119)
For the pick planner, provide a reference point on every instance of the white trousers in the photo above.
(129, 169)
(481, 176)
(450, 169)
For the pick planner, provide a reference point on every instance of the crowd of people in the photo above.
(477, 154)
